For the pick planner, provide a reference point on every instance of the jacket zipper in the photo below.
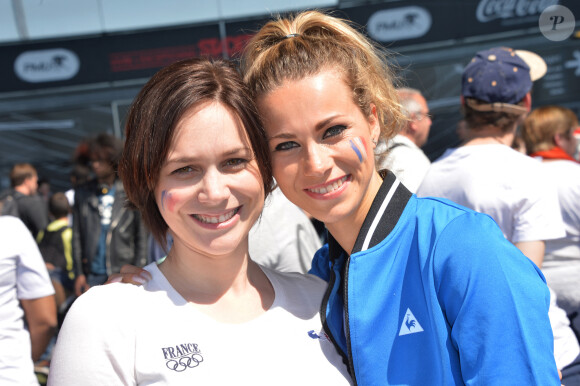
(346, 358)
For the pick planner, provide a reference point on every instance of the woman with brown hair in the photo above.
(196, 164)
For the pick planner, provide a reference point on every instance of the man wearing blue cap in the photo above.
(487, 175)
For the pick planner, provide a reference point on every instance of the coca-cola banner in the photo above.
(411, 22)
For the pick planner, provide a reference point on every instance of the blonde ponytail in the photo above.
(304, 44)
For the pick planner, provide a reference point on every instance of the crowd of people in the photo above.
(458, 270)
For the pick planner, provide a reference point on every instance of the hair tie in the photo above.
(291, 36)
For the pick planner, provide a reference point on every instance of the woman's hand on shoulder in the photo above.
(130, 274)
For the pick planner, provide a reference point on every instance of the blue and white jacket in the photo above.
(433, 294)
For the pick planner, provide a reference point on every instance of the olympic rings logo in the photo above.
(184, 362)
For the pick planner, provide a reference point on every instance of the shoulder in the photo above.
(17, 195)
(109, 303)
(441, 210)
(468, 250)
(15, 236)
(450, 158)
(512, 160)
(448, 154)
(562, 168)
(473, 242)
(453, 230)
(25, 200)
(450, 217)
(301, 289)
(296, 281)
(11, 223)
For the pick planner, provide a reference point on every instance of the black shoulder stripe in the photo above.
(385, 211)
(334, 248)
(391, 215)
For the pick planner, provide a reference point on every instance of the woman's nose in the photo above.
(215, 187)
(316, 160)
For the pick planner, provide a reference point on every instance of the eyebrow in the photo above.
(319, 126)
(229, 153)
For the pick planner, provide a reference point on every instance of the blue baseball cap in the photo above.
(501, 77)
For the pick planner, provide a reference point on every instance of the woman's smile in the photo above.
(217, 219)
(329, 189)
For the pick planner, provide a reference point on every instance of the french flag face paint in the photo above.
(166, 199)
(359, 146)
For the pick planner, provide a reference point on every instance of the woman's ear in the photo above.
(374, 125)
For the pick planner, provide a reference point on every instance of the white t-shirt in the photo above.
(121, 334)
(283, 238)
(23, 275)
(495, 179)
(561, 265)
(566, 347)
(566, 177)
(406, 160)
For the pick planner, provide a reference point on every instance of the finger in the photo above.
(130, 278)
(131, 269)
(137, 279)
(114, 278)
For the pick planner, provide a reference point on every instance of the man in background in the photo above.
(106, 234)
(402, 154)
(487, 175)
(23, 201)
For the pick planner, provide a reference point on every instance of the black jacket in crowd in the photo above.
(126, 238)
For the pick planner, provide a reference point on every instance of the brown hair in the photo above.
(476, 119)
(542, 125)
(305, 44)
(20, 172)
(157, 110)
(105, 147)
(58, 205)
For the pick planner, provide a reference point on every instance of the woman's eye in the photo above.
(234, 162)
(285, 146)
(334, 131)
(183, 170)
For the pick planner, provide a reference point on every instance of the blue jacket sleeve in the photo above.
(496, 302)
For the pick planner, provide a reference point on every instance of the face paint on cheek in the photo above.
(358, 145)
(167, 199)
